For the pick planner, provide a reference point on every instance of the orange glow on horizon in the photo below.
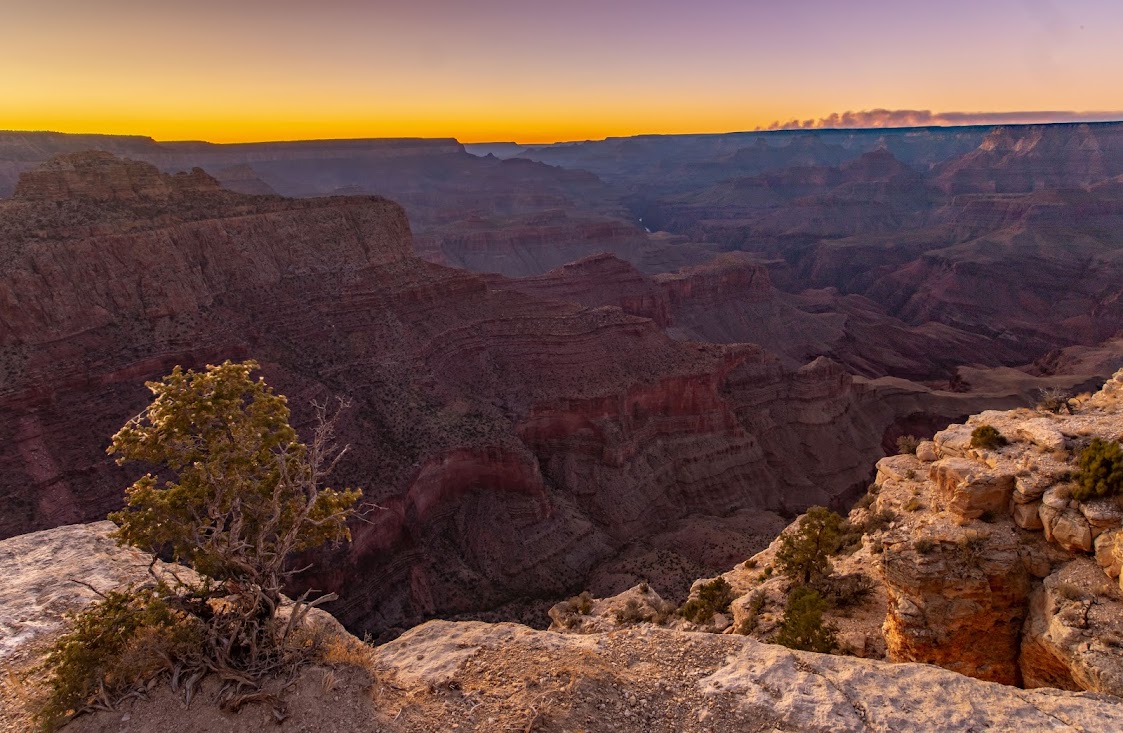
(534, 71)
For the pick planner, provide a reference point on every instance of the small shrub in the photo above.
(802, 626)
(768, 571)
(847, 590)
(116, 643)
(987, 437)
(874, 489)
(713, 597)
(752, 615)
(850, 537)
(877, 546)
(750, 563)
(910, 474)
(924, 545)
(582, 603)
(907, 445)
(237, 495)
(1101, 471)
(968, 547)
(1070, 592)
(1054, 400)
(632, 613)
(866, 501)
(881, 520)
(914, 504)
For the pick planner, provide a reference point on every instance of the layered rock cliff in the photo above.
(514, 442)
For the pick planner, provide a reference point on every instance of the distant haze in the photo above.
(536, 71)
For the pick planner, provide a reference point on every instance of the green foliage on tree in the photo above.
(804, 555)
(237, 495)
(802, 626)
(987, 437)
(713, 597)
(1101, 471)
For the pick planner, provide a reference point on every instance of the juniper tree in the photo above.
(804, 555)
(233, 493)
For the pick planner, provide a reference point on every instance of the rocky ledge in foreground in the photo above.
(474, 676)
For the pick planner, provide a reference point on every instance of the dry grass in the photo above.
(342, 650)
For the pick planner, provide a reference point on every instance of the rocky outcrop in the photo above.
(1023, 159)
(1055, 610)
(490, 677)
(100, 176)
(976, 560)
(957, 599)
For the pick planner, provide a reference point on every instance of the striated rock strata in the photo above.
(513, 442)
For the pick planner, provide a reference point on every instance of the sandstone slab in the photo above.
(970, 489)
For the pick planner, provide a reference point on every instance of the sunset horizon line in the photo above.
(1000, 120)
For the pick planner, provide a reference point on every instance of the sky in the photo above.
(533, 71)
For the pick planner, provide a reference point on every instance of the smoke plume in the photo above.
(925, 118)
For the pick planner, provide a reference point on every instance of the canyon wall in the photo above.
(514, 441)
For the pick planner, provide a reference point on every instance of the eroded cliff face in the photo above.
(514, 442)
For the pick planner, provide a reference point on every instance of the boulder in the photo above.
(1027, 516)
(1041, 432)
(1072, 531)
(969, 489)
(926, 451)
(1109, 552)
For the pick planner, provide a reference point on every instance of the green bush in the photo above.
(752, 615)
(802, 626)
(847, 590)
(987, 437)
(1101, 471)
(122, 640)
(713, 597)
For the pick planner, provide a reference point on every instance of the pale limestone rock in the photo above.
(953, 441)
(969, 489)
(1057, 497)
(37, 573)
(1109, 552)
(1072, 532)
(722, 680)
(898, 468)
(926, 451)
(1070, 637)
(1041, 432)
(1102, 514)
(1026, 516)
(1049, 517)
(1028, 489)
